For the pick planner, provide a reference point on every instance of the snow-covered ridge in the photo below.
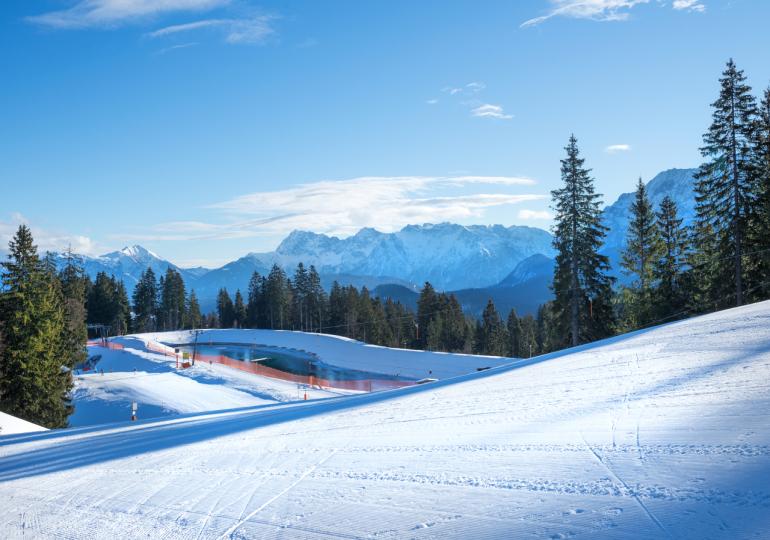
(662, 433)
(440, 253)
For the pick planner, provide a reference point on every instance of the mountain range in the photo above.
(511, 265)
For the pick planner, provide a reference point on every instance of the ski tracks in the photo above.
(229, 532)
(628, 490)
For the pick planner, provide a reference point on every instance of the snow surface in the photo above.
(343, 352)
(10, 425)
(663, 433)
(152, 381)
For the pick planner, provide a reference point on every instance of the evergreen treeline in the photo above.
(42, 332)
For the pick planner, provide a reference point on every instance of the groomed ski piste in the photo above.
(662, 433)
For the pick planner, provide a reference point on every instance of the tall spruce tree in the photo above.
(583, 290)
(193, 317)
(239, 310)
(74, 285)
(492, 335)
(643, 249)
(34, 386)
(670, 266)
(146, 302)
(172, 300)
(725, 188)
(514, 334)
(277, 295)
(759, 233)
(254, 302)
(225, 309)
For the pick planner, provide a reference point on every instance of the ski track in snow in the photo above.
(662, 433)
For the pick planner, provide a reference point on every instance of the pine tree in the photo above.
(336, 324)
(317, 301)
(759, 232)
(122, 321)
(428, 306)
(725, 187)
(172, 300)
(74, 288)
(669, 268)
(528, 347)
(146, 302)
(239, 310)
(225, 309)
(492, 338)
(638, 259)
(255, 301)
(193, 317)
(35, 384)
(514, 334)
(583, 290)
(277, 294)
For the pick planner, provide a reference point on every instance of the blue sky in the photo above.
(205, 129)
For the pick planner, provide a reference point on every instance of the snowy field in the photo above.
(663, 433)
(152, 380)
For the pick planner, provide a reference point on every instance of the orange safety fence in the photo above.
(105, 344)
(361, 385)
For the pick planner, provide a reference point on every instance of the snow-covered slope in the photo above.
(10, 425)
(663, 433)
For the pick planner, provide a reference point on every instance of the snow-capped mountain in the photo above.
(128, 264)
(450, 256)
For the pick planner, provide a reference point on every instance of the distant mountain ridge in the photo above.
(513, 265)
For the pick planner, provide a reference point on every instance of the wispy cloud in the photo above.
(343, 207)
(466, 90)
(534, 214)
(604, 10)
(597, 10)
(175, 47)
(689, 5)
(111, 13)
(47, 239)
(487, 110)
(252, 30)
(431, 101)
(615, 148)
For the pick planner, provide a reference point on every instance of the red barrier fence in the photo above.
(106, 344)
(359, 385)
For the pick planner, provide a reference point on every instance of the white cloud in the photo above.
(343, 207)
(598, 10)
(615, 148)
(534, 214)
(432, 101)
(488, 110)
(475, 86)
(252, 30)
(689, 5)
(110, 13)
(604, 10)
(46, 239)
